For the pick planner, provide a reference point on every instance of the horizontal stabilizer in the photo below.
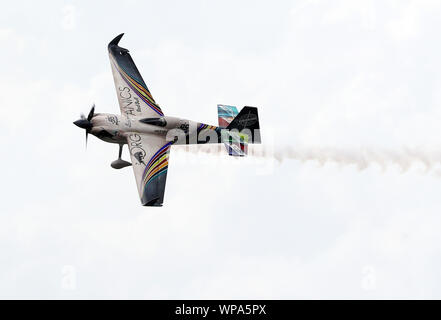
(226, 114)
(235, 142)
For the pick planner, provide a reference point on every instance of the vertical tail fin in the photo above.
(247, 122)
(240, 128)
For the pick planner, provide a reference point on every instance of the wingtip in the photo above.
(116, 40)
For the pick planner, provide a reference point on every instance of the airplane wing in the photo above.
(149, 155)
(133, 95)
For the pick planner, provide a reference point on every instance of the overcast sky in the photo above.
(337, 74)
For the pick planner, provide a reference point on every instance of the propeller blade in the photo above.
(91, 113)
(86, 123)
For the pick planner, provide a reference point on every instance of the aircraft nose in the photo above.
(83, 123)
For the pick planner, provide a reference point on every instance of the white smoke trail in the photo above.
(361, 158)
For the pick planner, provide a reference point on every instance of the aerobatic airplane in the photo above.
(149, 134)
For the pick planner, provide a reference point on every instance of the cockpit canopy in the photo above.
(160, 122)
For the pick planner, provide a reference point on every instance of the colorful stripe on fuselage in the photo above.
(203, 126)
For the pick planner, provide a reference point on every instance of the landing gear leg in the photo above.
(120, 163)
(120, 151)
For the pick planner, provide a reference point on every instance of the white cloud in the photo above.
(12, 41)
(321, 74)
(409, 15)
(68, 20)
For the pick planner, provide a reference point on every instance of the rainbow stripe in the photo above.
(206, 126)
(140, 89)
(157, 165)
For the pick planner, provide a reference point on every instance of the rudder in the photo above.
(247, 122)
(240, 128)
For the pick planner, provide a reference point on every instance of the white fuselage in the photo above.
(115, 128)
